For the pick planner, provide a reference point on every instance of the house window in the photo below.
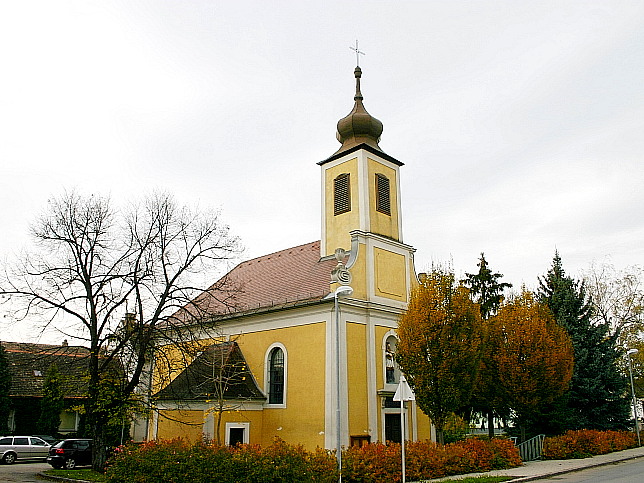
(341, 194)
(237, 433)
(276, 376)
(383, 194)
(359, 441)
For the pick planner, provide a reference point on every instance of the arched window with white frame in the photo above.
(276, 375)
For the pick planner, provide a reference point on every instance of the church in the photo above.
(310, 344)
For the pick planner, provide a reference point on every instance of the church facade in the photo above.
(311, 339)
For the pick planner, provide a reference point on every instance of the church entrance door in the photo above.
(392, 428)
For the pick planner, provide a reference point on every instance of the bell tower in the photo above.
(361, 208)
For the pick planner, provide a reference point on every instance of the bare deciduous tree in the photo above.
(93, 263)
(617, 297)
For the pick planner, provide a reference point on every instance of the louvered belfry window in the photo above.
(383, 196)
(341, 194)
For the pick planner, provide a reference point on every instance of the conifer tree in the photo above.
(485, 288)
(597, 398)
(487, 291)
(5, 388)
(52, 402)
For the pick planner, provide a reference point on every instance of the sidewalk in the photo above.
(534, 470)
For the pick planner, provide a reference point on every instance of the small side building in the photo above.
(28, 365)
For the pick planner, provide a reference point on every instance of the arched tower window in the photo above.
(276, 376)
(341, 194)
(383, 194)
(392, 373)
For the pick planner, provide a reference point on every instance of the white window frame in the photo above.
(244, 426)
(267, 364)
(397, 370)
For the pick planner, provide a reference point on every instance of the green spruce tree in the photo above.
(597, 397)
(5, 388)
(52, 402)
(486, 290)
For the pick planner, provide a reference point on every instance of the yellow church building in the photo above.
(310, 333)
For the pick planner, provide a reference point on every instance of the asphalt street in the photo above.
(22, 472)
(623, 472)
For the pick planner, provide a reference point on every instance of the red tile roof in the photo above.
(286, 278)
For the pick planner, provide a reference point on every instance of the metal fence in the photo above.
(531, 449)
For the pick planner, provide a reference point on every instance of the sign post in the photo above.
(403, 393)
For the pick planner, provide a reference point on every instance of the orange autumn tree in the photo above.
(532, 355)
(440, 339)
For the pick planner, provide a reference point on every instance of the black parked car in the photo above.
(70, 453)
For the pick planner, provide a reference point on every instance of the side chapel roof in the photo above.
(220, 368)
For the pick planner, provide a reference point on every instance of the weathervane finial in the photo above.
(358, 53)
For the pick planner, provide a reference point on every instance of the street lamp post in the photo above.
(341, 291)
(629, 353)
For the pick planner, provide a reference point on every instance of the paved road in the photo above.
(624, 472)
(22, 472)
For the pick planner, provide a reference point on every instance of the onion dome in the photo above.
(359, 127)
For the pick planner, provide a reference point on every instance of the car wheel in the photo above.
(9, 458)
(70, 464)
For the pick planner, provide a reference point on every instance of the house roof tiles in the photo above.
(29, 363)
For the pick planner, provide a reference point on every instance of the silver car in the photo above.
(22, 447)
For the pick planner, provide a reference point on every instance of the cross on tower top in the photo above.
(358, 53)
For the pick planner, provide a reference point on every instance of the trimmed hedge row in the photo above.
(176, 461)
(425, 459)
(587, 442)
(179, 462)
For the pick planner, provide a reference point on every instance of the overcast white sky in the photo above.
(520, 123)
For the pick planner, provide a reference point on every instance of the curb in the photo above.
(573, 470)
(62, 479)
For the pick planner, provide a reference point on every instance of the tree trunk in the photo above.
(99, 448)
(440, 437)
(490, 424)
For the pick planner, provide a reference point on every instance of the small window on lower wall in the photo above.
(360, 441)
(237, 433)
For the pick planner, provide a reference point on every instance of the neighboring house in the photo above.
(280, 311)
(29, 364)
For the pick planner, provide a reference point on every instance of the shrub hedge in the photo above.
(587, 442)
(177, 461)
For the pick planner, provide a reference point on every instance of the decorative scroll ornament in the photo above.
(340, 274)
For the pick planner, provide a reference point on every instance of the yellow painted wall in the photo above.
(357, 379)
(358, 275)
(382, 224)
(190, 427)
(379, 337)
(339, 226)
(255, 418)
(303, 418)
(390, 275)
(423, 424)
